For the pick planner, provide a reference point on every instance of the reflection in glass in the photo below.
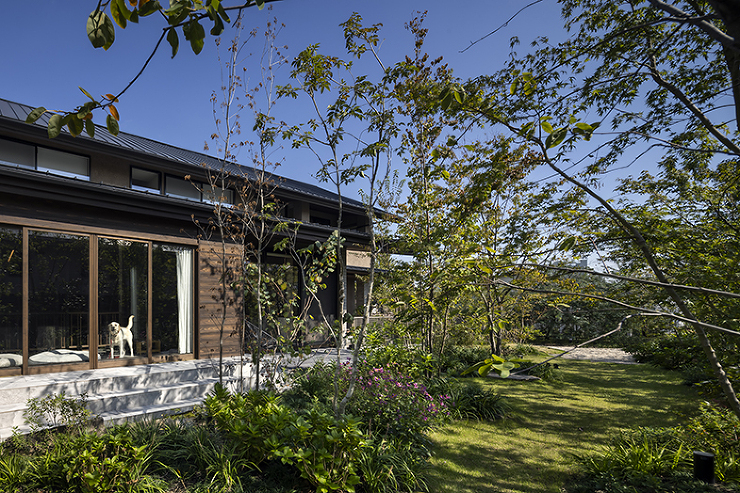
(122, 292)
(58, 298)
(172, 294)
(11, 301)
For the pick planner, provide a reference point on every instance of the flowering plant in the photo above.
(392, 404)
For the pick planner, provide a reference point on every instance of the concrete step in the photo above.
(117, 394)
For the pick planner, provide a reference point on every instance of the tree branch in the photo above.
(679, 318)
(710, 29)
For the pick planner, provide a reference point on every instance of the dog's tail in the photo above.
(130, 322)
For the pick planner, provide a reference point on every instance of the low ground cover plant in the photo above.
(661, 459)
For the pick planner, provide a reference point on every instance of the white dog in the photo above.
(119, 335)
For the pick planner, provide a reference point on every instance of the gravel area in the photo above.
(604, 355)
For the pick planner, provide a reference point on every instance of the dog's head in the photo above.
(114, 328)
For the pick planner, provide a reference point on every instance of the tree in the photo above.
(491, 215)
(357, 110)
(101, 31)
(659, 75)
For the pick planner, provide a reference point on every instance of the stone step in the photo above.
(103, 380)
(117, 394)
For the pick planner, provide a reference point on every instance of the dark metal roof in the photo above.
(189, 159)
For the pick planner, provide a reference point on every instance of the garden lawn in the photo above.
(533, 451)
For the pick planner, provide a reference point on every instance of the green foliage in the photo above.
(671, 352)
(681, 352)
(322, 448)
(547, 371)
(250, 420)
(411, 361)
(497, 363)
(56, 410)
(390, 466)
(656, 456)
(92, 463)
(456, 359)
(469, 400)
(391, 404)
(14, 471)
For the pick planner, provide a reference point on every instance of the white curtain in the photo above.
(185, 300)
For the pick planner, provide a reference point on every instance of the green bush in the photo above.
(390, 467)
(469, 400)
(411, 361)
(547, 371)
(663, 458)
(322, 448)
(56, 410)
(456, 359)
(92, 463)
(669, 352)
(325, 450)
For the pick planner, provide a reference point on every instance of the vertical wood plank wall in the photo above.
(211, 305)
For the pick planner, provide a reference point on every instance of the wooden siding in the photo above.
(211, 307)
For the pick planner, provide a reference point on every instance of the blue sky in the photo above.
(46, 56)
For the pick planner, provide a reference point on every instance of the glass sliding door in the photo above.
(58, 297)
(172, 295)
(11, 297)
(122, 294)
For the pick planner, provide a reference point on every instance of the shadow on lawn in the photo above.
(534, 450)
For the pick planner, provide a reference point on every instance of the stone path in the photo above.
(604, 355)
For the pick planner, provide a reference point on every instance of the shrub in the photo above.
(249, 420)
(546, 372)
(663, 457)
(320, 447)
(56, 410)
(389, 467)
(456, 359)
(323, 449)
(92, 463)
(669, 352)
(392, 404)
(470, 401)
(411, 361)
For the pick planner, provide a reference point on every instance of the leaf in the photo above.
(114, 112)
(218, 26)
(148, 8)
(194, 33)
(100, 30)
(55, 125)
(90, 128)
(459, 96)
(120, 13)
(35, 114)
(260, 4)
(86, 93)
(447, 99)
(556, 137)
(173, 40)
(546, 127)
(223, 13)
(567, 243)
(112, 125)
(75, 126)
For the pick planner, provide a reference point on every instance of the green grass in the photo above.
(551, 422)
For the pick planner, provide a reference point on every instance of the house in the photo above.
(95, 230)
